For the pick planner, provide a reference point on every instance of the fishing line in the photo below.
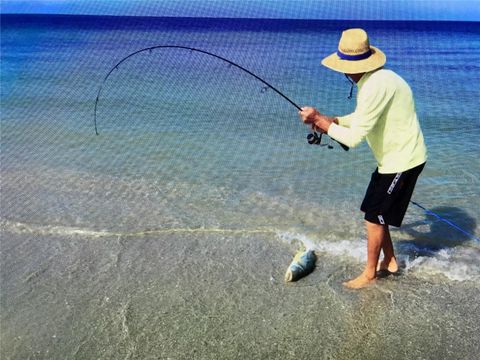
(149, 49)
(448, 222)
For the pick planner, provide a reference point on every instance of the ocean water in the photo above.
(193, 151)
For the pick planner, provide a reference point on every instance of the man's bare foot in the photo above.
(360, 282)
(390, 266)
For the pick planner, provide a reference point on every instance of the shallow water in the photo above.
(200, 186)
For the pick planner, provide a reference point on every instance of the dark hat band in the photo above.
(354, 57)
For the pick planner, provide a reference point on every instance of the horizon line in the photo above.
(236, 18)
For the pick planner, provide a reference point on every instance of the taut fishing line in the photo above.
(312, 138)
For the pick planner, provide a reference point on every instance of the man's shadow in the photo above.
(434, 234)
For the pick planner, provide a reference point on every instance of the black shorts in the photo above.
(388, 195)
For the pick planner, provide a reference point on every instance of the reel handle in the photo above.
(315, 138)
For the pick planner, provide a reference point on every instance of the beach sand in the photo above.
(194, 296)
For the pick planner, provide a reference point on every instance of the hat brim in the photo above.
(374, 61)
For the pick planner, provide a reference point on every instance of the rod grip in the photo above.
(344, 147)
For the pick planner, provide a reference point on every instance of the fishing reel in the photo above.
(315, 138)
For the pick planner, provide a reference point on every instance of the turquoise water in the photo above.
(187, 142)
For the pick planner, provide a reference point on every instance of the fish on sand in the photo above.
(302, 264)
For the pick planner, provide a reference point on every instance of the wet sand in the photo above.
(204, 296)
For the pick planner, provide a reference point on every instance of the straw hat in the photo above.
(355, 55)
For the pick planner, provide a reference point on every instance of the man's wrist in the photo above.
(323, 122)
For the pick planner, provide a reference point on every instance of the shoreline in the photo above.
(203, 296)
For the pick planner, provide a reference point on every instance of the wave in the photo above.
(22, 228)
(455, 264)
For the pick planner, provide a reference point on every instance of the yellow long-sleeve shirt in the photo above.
(385, 115)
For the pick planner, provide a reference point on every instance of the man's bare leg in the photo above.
(389, 262)
(376, 236)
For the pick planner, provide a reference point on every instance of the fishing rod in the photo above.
(313, 138)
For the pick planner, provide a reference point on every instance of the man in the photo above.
(385, 116)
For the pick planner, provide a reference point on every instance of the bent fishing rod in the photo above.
(313, 138)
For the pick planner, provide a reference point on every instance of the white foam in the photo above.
(22, 228)
(354, 249)
(455, 264)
